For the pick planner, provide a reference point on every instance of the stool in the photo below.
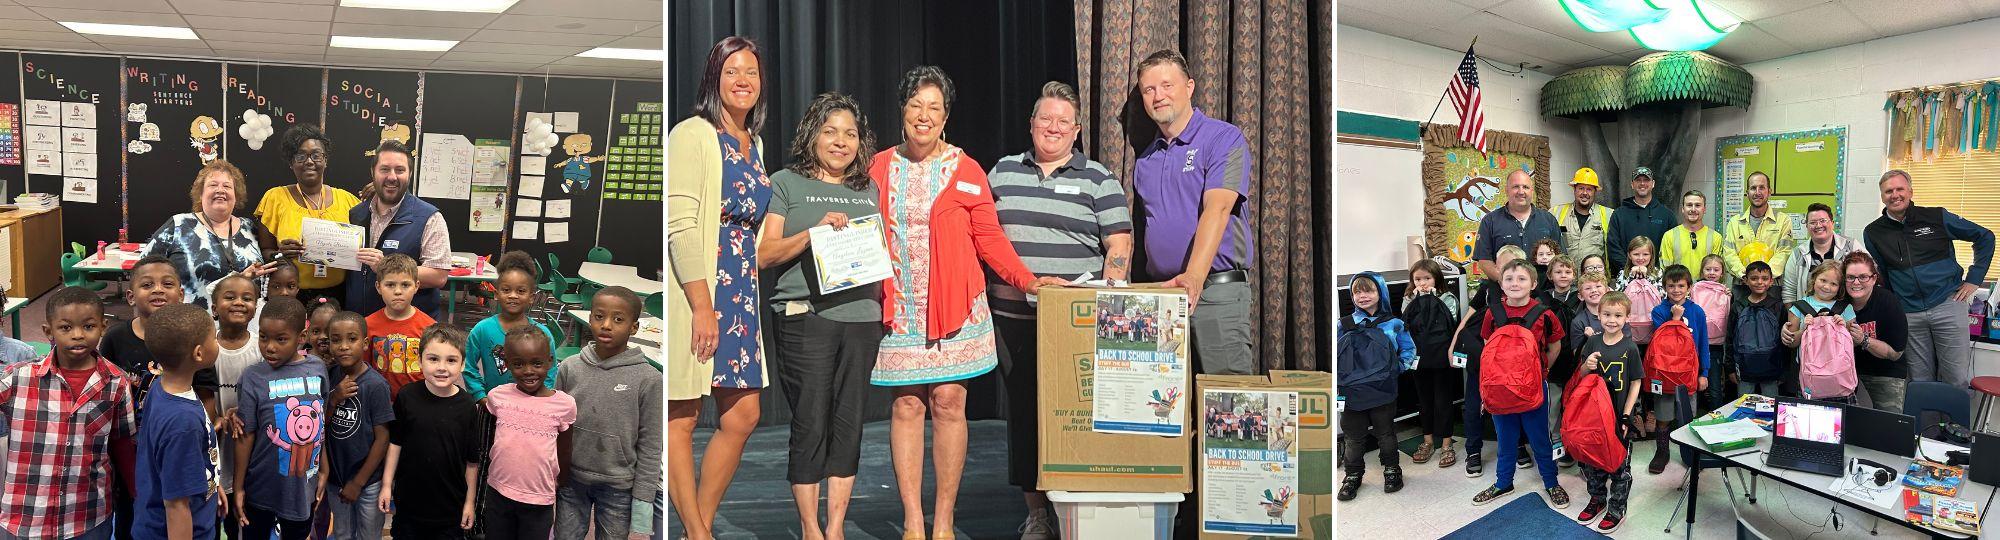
(1990, 387)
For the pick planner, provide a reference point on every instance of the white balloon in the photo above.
(247, 131)
(255, 144)
(249, 114)
(264, 131)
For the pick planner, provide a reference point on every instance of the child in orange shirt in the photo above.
(395, 331)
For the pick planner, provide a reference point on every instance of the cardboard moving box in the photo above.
(1310, 434)
(1147, 336)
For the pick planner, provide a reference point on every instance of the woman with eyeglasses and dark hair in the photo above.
(1822, 244)
(717, 195)
(283, 210)
(1881, 334)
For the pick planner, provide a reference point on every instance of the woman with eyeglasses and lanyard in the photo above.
(284, 209)
(1822, 245)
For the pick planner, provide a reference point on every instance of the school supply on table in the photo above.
(1809, 437)
(1871, 482)
(1941, 512)
(1934, 477)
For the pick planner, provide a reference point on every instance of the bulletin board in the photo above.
(82, 93)
(11, 175)
(481, 109)
(1805, 167)
(363, 108)
(581, 109)
(635, 174)
(173, 124)
(290, 96)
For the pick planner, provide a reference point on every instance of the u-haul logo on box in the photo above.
(1083, 313)
(1313, 408)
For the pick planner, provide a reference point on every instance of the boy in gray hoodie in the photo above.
(610, 457)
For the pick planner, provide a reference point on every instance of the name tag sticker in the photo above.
(391, 244)
(1656, 386)
(319, 270)
(968, 187)
(1458, 359)
(1068, 190)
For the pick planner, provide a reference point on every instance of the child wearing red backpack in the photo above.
(1673, 403)
(1522, 338)
(1825, 374)
(1370, 396)
(1615, 358)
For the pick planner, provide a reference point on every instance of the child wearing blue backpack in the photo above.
(1374, 350)
(1754, 344)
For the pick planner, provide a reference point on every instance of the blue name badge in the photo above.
(391, 244)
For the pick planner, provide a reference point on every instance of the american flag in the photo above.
(1465, 97)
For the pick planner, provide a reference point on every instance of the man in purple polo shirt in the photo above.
(1193, 189)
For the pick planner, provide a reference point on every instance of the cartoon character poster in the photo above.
(576, 170)
(203, 134)
(1250, 462)
(1461, 184)
(298, 425)
(1141, 364)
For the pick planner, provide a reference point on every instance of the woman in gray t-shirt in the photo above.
(826, 341)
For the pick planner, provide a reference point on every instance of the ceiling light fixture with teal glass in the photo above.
(1661, 25)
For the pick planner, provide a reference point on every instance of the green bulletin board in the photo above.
(1805, 167)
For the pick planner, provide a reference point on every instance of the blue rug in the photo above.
(1527, 516)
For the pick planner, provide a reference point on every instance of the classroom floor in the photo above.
(1435, 502)
(759, 502)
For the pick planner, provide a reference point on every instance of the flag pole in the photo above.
(1447, 89)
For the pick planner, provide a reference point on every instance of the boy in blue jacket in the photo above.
(1369, 366)
(1677, 409)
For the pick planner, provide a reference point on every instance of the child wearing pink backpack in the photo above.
(1714, 299)
(1819, 328)
(1641, 283)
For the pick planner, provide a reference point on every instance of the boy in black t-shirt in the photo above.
(1615, 357)
(434, 445)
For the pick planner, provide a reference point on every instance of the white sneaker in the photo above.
(1040, 525)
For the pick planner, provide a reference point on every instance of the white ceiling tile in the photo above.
(573, 25)
(112, 17)
(257, 10)
(150, 6)
(306, 2)
(377, 61)
(518, 48)
(1897, 17)
(64, 37)
(1480, 4)
(1432, 13)
(267, 56)
(405, 17)
(405, 32)
(1750, 43)
(15, 25)
(541, 38)
(161, 52)
(605, 62)
(592, 71)
(1751, 10)
(9, 41)
(19, 12)
(658, 30)
(273, 47)
(568, 8)
(637, 42)
(1984, 8)
(214, 36)
(508, 67)
(1549, 17)
(1819, 27)
(204, 22)
(373, 53)
(148, 42)
(536, 59)
(1494, 30)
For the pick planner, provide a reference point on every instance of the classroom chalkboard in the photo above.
(85, 162)
(481, 108)
(589, 100)
(290, 96)
(363, 108)
(11, 175)
(634, 176)
(173, 123)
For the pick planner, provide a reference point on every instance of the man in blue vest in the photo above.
(399, 222)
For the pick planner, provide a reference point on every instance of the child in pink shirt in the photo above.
(529, 416)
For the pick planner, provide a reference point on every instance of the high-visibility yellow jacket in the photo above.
(1587, 238)
(1687, 248)
(1773, 233)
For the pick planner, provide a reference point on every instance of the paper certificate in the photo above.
(331, 243)
(850, 257)
(1250, 462)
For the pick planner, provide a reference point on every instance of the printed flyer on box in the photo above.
(1141, 364)
(1250, 462)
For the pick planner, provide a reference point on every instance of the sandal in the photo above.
(1449, 457)
(1423, 453)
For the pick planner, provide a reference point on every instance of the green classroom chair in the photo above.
(77, 278)
(599, 255)
(656, 304)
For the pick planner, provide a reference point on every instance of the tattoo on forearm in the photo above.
(1118, 262)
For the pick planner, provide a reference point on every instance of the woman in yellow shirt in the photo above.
(284, 209)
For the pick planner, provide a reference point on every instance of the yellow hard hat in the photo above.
(1584, 176)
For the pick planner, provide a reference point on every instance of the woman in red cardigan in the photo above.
(940, 223)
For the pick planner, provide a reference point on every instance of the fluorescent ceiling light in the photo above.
(1611, 15)
(1689, 27)
(393, 44)
(624, 54)
(462, 6)
(131, 30)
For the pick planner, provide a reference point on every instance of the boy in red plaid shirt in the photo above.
(67, 412)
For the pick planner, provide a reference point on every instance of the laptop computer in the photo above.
(1891, 433)
(1808, 437)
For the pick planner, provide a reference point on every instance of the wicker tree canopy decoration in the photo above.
(1585, 90)
(1657, 77)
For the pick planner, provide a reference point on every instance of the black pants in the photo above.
(121, 513)
(410, 528)
(1016, 340)
(824, 369)
(507, 519)
(262, 522)
(1436, 388)
(1356, 425)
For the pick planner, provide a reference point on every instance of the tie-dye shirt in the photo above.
(201, 257)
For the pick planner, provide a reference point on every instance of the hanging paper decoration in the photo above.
(1666, 76)
(1925, 123)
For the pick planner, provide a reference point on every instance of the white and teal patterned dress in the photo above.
(908, 356)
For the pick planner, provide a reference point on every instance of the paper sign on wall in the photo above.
(43, 138)
(79, 140)
(44, 112)
(526, 207)
(1814, 146)
(557, 209)
(79, 115)
(565, 122)
(446, 168)
(44, 162)
(79, 165)
(555, 233)
(531, 186)
(527, 230)
(534, 164)
(80, 190)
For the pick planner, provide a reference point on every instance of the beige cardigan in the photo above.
(694, 222)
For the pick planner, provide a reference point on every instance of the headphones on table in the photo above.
(1869, 474)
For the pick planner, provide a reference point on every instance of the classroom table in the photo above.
(111, 259)
(1751, 460)
(11, 311)
(649, 334)
(618, 275)
(488, 275)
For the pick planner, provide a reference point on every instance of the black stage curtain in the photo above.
(998, 54)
